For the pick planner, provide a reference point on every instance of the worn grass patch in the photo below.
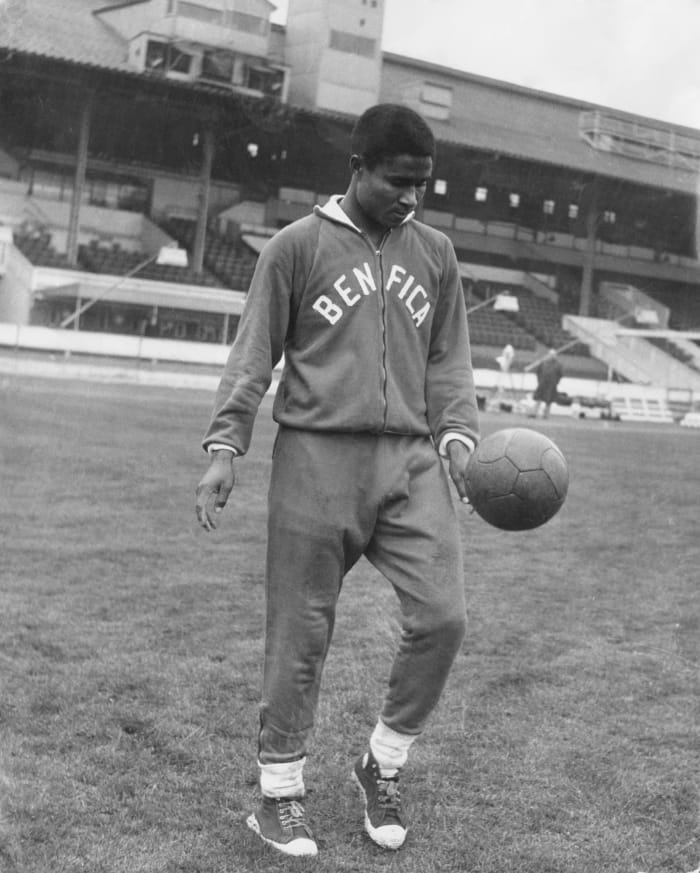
(130, 644)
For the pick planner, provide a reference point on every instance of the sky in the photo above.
(642, 56)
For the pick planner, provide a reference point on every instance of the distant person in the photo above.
(549, 372)
(366, 303)
(505, 359)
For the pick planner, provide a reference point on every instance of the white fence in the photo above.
(140, 348)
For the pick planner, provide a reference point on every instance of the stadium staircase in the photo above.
(682, 350)
(633, 357)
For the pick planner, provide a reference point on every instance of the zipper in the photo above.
(382, 294)
(382, 311)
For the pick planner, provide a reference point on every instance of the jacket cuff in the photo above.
(215, 447)
(460, 437)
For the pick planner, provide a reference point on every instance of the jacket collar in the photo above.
(333, 210)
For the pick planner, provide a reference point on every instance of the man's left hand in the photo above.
(458, 455)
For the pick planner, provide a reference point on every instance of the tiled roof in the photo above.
(62, 29)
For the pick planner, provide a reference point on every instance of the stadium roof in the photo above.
(497, 116)
(535, 126)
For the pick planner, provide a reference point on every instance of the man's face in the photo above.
(393, 189)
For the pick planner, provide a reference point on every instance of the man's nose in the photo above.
(409, 196)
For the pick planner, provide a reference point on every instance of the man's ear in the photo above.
(355, 163)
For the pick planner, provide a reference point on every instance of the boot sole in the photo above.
(391, 843)
(296, 848)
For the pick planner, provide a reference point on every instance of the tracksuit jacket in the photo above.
(374, 339)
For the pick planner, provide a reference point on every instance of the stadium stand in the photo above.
(231, 261)
(36, 245)
(490, 328)
(542, 319)
(685, 314)
(118, 262)
(537, 320)
(576, 201)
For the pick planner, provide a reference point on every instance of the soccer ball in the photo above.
(517, 479)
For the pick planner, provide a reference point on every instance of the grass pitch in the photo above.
(130, 645)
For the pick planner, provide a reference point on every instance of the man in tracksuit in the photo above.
(366, 305)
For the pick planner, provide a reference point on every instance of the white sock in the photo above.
(282, 780)
(390, 748)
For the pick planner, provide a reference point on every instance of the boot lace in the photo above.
(291, 814)
(388, 796)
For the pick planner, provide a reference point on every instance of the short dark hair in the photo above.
(390, 129)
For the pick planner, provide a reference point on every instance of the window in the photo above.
(265, 79)
(156, 56)
(440, 186)
(609, 217)
(162, 57)
(514, 200)
(217, 65)
(481, 194)
(440, 95)
(179, 62)
(573, 210)
(247, 23)
(548, 207)
(200, 13)
(435, 101)
(352, 43)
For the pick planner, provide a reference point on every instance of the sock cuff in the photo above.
(385, 734)
(282, 779)
(389, 747)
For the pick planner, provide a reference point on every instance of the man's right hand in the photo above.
(214, 488)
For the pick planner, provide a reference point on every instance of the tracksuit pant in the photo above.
(333, 498)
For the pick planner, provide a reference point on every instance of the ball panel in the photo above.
(524, 449)
(536, 486)
(540, 497)
(505, 512)
(491, 478)
(554, 465)
(494, 447)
